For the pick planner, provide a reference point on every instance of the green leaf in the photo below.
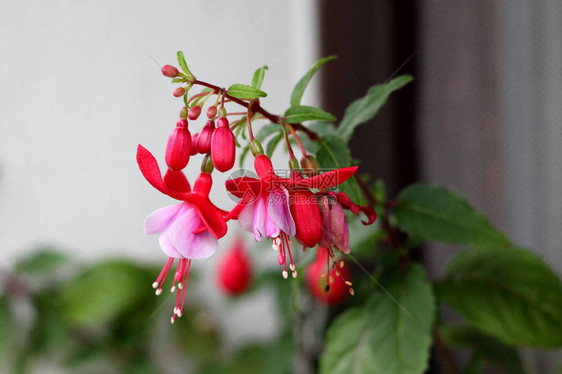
(103, 292)
(242, 91)
(491, 349)
(298, 114)
(508, 293)
(365, 108)
(257, 79)
(45, 260)
(301, 85)
(436, 214)
(388, 335)
(333, 153)
(183, 64)
(177, 80)
(272, 144)
(8, 327)
(267, 130)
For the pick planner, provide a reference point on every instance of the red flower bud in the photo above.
(332, 287)
(176, 180)
(211, 112)
(194, 112)
(179, 146)
(205, 136)
(223, 147)
(170, 71)
(178, 92)
(234, 271)
(193, 149)
(306, 213)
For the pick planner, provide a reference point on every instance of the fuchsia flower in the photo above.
(188, 230)
(264, 207)
(335, 231)
(234, 271)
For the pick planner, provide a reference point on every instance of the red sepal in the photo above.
(346, 202)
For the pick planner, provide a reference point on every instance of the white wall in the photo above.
(79, 91)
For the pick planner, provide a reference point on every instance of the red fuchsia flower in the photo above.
(170, 71)
(329, 284)
(223, 146)
(179, 146)
(204, 139)
(264, 207)
(188, 230)
(234, 271)
(306, 213)
(193, 149)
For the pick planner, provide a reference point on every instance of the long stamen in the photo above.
(288, 245)
(185, 288)
(162, 277)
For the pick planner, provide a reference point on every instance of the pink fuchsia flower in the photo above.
(264, 207)
(188, 230)
(335, 231)
(175, 225)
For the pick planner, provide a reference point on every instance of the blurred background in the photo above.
(81, 88)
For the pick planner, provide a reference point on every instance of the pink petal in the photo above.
(278, 208)
(260, 216)
(246, 217)
(167, 246)
(204, 245)
(159, 220)
(181, 232)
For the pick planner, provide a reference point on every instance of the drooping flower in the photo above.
(223, 146)
(328, 283)
(234, 271)
(264, 206)
(187, 231)
(335, 231)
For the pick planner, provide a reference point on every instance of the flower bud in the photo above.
(223, 147)
(306, 214)
(222, 122)
(179, 146)
(205, 136)
(176, 180)
(170, 71)
(330, 288)
(178, 92)
(193, 149)
(194, 112)
(211, 112)
(234, 271)
(309, 165)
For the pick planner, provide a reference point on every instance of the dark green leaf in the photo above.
(45, 260)
(486, 346)
(388, 335)
(508, 293)
(298, 114)
(298, 91)
(436, 214)
(103, 292)
(257, 79)
(333, 153)
(272, 144)
(365, 108)
(242, 91)
(7, 328)
(183, 64)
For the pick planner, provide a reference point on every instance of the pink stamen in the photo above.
(163, 274)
